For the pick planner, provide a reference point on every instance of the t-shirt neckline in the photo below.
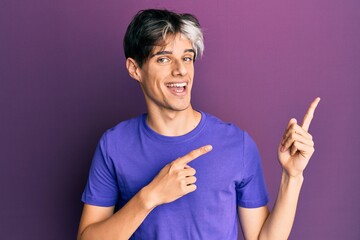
(171, 139)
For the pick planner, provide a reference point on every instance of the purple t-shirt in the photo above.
(131, 154)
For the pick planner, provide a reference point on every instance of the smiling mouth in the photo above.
(177, 87)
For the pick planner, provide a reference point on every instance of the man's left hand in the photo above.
(297, 146)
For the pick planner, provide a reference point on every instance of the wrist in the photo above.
(146, 198)
(287, 178)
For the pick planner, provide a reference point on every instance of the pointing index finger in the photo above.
(310, 114)
(194, 154)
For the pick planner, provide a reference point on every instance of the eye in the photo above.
(163, 60)
(188, 59)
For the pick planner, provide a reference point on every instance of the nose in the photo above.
(179, 68)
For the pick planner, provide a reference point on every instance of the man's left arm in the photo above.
(295, 151)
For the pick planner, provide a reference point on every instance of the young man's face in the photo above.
(167, 76)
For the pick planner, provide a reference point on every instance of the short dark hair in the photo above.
(150, 27)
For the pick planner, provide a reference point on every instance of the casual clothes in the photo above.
(131, 154)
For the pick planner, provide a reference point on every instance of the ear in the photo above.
(133, 69)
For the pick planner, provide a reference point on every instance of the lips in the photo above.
(177, 88)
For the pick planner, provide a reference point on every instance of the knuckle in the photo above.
(172, 167)
(202, 150)
(290, 139)
(167, 168)
(191, 188)
(183, 188)
(174, 163)
(285, 137)
(192, 154)
(182, 182)
(289, 132)
(310, 136)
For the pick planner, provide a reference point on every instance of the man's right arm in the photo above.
(173, 181)
(100, 222)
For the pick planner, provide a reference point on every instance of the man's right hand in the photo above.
(175, 180)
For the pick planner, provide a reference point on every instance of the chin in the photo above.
(181, 108)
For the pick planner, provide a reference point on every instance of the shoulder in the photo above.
(220, 126)
(126, 125)
(123, 131)
(228, 131)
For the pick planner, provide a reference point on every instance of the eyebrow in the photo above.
(170, 52)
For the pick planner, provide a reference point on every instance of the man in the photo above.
(178, 173)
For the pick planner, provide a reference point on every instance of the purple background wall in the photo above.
(63, 82)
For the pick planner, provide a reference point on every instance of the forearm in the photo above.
(280, 221)
(123, 223)
(173, 181)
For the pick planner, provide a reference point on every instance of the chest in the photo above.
(216, 172)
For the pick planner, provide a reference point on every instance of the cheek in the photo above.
(153, 83)
(190, 69)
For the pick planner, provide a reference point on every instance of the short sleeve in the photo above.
(101, 188)
(251, 191)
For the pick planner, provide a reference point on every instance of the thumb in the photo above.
(291, 122)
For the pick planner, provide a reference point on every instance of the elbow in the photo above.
(81, 233)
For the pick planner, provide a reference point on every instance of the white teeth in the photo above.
(178, 85)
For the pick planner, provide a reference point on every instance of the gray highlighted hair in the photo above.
(151, 27)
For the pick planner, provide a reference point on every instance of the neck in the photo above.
(173, 123)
